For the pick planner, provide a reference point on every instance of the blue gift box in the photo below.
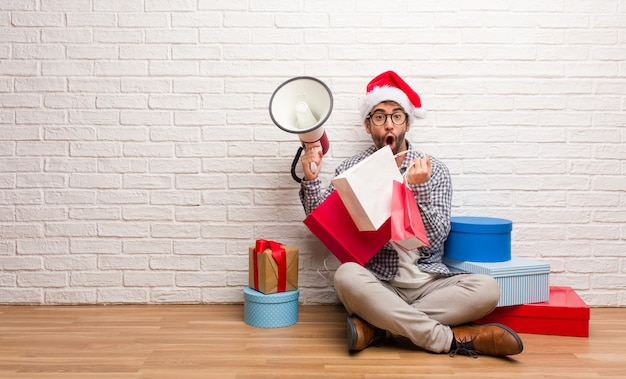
(521, 280)
(479, 239)
(274, 310)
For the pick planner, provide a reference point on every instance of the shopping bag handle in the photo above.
(410, 164)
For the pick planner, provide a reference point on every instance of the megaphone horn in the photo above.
(301, 105)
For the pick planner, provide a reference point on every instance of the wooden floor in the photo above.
(212, 341)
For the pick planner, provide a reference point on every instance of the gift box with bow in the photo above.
(273, 267)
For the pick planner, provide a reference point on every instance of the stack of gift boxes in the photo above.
(528, 304)
(271, 298)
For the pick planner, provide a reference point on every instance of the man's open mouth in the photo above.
(390, 141)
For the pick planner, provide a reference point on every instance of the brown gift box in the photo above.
(268, 270)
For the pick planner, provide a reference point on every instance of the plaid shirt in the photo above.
(434, 199)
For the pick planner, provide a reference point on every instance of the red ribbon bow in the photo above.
(280, 256)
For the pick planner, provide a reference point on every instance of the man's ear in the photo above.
(367, 127)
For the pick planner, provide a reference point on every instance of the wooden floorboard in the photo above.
(212, 341)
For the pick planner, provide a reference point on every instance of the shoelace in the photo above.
(465, 347)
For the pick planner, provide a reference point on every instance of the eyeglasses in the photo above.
(380, 118)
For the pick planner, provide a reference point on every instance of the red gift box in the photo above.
(564, 314)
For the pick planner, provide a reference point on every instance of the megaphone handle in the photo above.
(313, 167)
(294, 164)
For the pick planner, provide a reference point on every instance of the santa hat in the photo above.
(388, 86)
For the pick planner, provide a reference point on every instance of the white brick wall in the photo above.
(139, 162)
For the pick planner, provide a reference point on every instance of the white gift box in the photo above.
(521, 280)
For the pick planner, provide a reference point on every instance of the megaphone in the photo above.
(301, 105)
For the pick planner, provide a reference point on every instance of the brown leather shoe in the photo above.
(488, 339)
(361, 334)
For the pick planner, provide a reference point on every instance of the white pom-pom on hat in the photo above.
(389, 86)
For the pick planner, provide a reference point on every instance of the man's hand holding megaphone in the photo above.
(312, 160)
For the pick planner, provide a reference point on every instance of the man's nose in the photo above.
(388, 123)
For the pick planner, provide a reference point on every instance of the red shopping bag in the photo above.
(407, 228)
(332, 224)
